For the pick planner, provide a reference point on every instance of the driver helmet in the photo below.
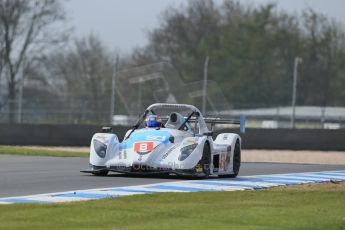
(153, 121)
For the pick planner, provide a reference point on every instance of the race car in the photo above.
(168, 139)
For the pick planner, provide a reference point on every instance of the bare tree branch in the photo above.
(24, 27)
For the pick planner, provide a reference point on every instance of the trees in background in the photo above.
(26, 28)
(322, 47)
(85, 70)
(252, 51)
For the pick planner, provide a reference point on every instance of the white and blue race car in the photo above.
(182, 145)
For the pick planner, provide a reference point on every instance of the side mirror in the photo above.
(209, 134)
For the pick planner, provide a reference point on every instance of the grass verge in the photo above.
(40, 152)
(316, 206)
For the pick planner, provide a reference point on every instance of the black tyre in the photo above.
(101, 173)
(206, 160)
(236, 161)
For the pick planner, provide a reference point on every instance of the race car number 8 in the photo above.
(143, 147)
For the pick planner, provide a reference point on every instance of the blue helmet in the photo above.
(153, 121)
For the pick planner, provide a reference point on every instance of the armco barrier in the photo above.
(293, 139)
(51, 135)
(80, 135)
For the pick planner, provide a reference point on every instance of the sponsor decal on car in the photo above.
(169, 151)
(224, 159)
(155, 138)
(222, 162)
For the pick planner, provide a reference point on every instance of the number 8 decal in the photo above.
(143, 147)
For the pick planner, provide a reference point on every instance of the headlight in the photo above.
(100, 148)
(186, 151)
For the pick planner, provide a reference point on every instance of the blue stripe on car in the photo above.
(142, 135)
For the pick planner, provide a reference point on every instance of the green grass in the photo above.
(40, 152)
(296, 207)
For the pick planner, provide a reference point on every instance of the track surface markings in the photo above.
(210, 185)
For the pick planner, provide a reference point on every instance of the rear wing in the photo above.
(213, 121)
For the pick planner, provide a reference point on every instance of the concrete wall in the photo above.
(80, 135)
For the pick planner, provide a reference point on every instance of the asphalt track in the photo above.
(21, 175)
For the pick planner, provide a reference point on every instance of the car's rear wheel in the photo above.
(101, 173)
(206, 160)
(236, 161)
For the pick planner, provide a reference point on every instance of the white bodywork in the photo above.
(160, 150)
